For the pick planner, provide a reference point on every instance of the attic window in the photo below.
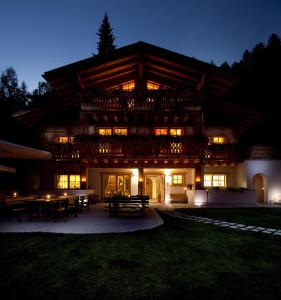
(152, 85)
(128, 86)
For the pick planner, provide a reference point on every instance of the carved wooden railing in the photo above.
(166, 99)
(146, 146)
(128, 146)
(225, 152)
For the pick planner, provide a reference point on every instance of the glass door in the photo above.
(116, 185)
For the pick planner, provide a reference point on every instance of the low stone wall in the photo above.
(225, 198)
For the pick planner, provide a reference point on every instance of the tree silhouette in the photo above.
(106, 37)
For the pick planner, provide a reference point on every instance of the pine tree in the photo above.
(106, 37)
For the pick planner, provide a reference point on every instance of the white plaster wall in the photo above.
(271, 169)
(225, 198)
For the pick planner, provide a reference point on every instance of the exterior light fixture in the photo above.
(15, 194)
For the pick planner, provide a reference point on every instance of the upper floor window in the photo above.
(152, 85)
(217, 140)
(64, 139)
(120, 131)
(128, 86)
(105, 131)
(176, 131)
(161, 131)
(214, 180)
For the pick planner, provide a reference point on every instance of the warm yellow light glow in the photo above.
(215, 180)
(140, 179)
(128, 86)
(152, 85)
(197, 179)
(105, 131)
(176, 131)
(65, 194)
(167, 172)
(62, 181)
(120, 131)
(74, 181)
(177, 179)
(15, 194)
(135, 172)
(83, 179)
(161, 131)
(217, 140)
(64, 139)
(48, 196)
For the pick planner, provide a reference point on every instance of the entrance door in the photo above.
(154, 187)
(258, 184)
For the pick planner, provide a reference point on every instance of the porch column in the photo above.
(198, 177)
(167, 183)
(140, 182)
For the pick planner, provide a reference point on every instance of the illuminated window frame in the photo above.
(128, 86)
(74, 182)
(68, 181)
(176, 131)
(215, 180)
(161, 131)
(150, 85)
(105, 131)
(120, 130)
(61, 181)
(64, 139)
(217, 140)
(178, 179)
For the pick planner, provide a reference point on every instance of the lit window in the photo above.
(103, 148)
(62, 181)
(74, 181)
(161, 131)
(217, 140)
(177, 179)
(121, 131)
(214, 180)
(176, 131)
(152, 86)
(64, 139)
(105, 131)
(128, 86)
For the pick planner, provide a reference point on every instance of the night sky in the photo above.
(39, 35)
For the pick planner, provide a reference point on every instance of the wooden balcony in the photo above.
(225, 153)
(128, 146)
(159, 100)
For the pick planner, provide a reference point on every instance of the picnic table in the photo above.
(124, 204)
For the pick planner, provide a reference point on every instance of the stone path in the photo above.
(175, 214)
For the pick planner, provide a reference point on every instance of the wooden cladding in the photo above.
(166, 99)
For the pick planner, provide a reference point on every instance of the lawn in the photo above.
(260, 216)
(180, 259)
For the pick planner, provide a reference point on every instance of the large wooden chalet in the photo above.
(133, 123)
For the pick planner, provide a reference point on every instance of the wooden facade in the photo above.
(141, 107)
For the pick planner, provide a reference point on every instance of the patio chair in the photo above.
(60, 208)
(73, 206)
(15, 209)
(84, 203)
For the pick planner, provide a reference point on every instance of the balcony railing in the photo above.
(225, 152)
(165, 99)
(128, 146)
(146, 146)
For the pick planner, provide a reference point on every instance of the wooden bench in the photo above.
(179, 198)
(122, 204)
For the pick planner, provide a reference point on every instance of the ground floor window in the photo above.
(215, 180)
(67, 181)
(116, 184)
(177, 179)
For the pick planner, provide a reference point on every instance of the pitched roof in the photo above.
(125, 63)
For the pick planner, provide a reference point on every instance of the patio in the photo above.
(96, 220)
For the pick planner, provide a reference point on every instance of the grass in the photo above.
(180, 260)
(266, 217)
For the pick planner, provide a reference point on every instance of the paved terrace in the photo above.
(96, 220)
